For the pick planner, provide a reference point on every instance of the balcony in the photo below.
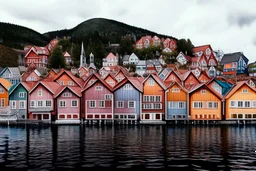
(40, 109)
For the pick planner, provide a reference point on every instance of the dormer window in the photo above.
(151, 82)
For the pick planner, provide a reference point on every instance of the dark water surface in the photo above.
(38, 147)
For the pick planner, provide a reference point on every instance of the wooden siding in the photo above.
(4, 96)
(240, 96)
(125, 95)
(110, 81)
(173, 77)
(33, 77)
(191, 79)
(65, 79)
(200, 113)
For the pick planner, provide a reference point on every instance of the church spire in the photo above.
(82, 56)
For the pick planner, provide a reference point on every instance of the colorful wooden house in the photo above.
(220, 86)
(241, 102)
(203, 77)
(68, 101)
(110, 60)
(32, 76)
(127, 97)
(153, 101)
(5, 85)
(189, 80)
(110, 80)
(41, 101)
(204, 103)
(121, 74)
(51, 75)
(18, 96)
(97, 99)
(172, 76)
(177, 102)
(66, 78)
(12, 74)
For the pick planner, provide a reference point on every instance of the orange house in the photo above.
(153, 100)
(66, 78)
(203, 77)
(204, 103)
(5, 85)
(173, 77)
(241, 102)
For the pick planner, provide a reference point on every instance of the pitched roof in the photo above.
(170, 84)
(236, 87)
(201, 48)
(75, 89)
(233, 57)
(196, 87)
(98, 77)
(27, 85)
(157, 79)
(50, 86)
(133, 80)
(110, 55)
(69, 73)
(5, 83)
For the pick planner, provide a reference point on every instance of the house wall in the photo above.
(4, 96)
(65, 78)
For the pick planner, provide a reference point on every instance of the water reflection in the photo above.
(36, 147)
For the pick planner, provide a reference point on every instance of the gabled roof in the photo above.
(76, 90)
(133, 80)
(133, 55)
(27, 85)
(111, 75)
(14, 71)
(169, 73)
(124, 71)
(157, 79)
(141, 62)
(185, 75)
(97, 76)
(5, 83)
(66, 54)
(110, 55)
(236, 87)
(226, 86)
(233, 57)
(69, 73)
(171, 84)
(196, 87)
(201, 48)
(52, 87)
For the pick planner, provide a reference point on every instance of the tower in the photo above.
(82, 56)
(92, 62)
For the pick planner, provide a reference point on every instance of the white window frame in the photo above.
(241, 105)
(67, 94)
(245, 90)
(233, 101)
(70, 83)
(156, 100)
(22, 94)
(203, 91)
(101, 103)
(155, 104)
(74, 100)
(107, 97)
(128, 86)
(40, 101)
(1, 90)
(151, 82)
(90, 104)
(98, 88)
(40, 92)
(183, 105)
(119, 104)
(62, 103)
(133, 102)
(32, 102)
(175, 90)
(48, 101)
(247, 104)
(13, 106)
(22, 101)
(198, 106)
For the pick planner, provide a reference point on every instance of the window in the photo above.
(1, 91)
(70, 83)
(212, 105)
(62, 103)
(175, 90)
(157, 98)
(245, 90)
(203, 91)
(61, 82)
(198, 105)
(74, 103)
(254, 103)
(247, 104)
(108, 97)
(146, 98)
(22, 105)
(151, 82)
(40, 92)
(120, 104)
(131, 104)
(32, 103)
(98, 88)
(157, 106)
(147, 106)
(232, 103)
(181, 105)
(128, 87)
(21, 94)
(39, 103)
(2, 103)
(67, 94)
(102, 103)
(13, 104)
(48, 103)
(173, 105)
(240, 103)
(92, 104)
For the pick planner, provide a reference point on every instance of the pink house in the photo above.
(68, 104)
(98, 99)
(41, 101)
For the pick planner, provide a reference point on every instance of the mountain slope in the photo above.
(109, 30)
(16, 36)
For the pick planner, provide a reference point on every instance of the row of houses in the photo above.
(63, 97)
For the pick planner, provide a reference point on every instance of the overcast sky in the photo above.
(229, 25)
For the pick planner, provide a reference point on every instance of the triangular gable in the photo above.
(3, 71)
(176, 83)
(32, 49)
(206, 87)
(97, 78)
(70, 75)
(237, 87)
(157, 79)
(203, 76)
(72, 89)
(44, 85)
(132, 81)
(170, 73)
(5, 84)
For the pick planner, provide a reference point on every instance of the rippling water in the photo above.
(40, 147)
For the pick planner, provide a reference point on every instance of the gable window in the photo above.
(102, 103)
(92, 104)
(13, 104)
(61, 82)
(48, 103)
(245, 90)
(1, 90)
(120, 104)
(67, 94)
(176, 90)
(128, 87)
(98, 88)
(203, 91)
(40, 92)
(131, 104)
(151, 82)
(74, 103)
(22, 104)
(21, 94)
(108, 96)
(62, 103)
(70, 83)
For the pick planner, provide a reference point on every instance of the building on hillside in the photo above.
(234, 63)
(12, 74)
(67, 58)
(252, 69)
(141, 67)
(110, 60)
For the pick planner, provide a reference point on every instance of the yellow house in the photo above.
(241, 102)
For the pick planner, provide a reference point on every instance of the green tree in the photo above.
(126, 46)
(8, 57)
(185, 46)
(56, 59)
(98, 50)
(65, 45)
(170, 58)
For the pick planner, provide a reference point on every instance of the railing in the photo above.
(5, 110)
(41, 109)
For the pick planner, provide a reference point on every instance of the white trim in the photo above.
(24, 94)
(72, 101)
(25, 106)
(90, 103)
(100, 103)
(122, 102)
(134, 104)
(65, 115)
(13, 106)
(65, 105)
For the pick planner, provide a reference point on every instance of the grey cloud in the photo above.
(241, 19)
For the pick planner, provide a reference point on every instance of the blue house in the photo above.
(127, 99)
(18, 96)
(12, 74)
(234, 63)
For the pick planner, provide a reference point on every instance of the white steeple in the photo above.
(82, 56)
(92, 62)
